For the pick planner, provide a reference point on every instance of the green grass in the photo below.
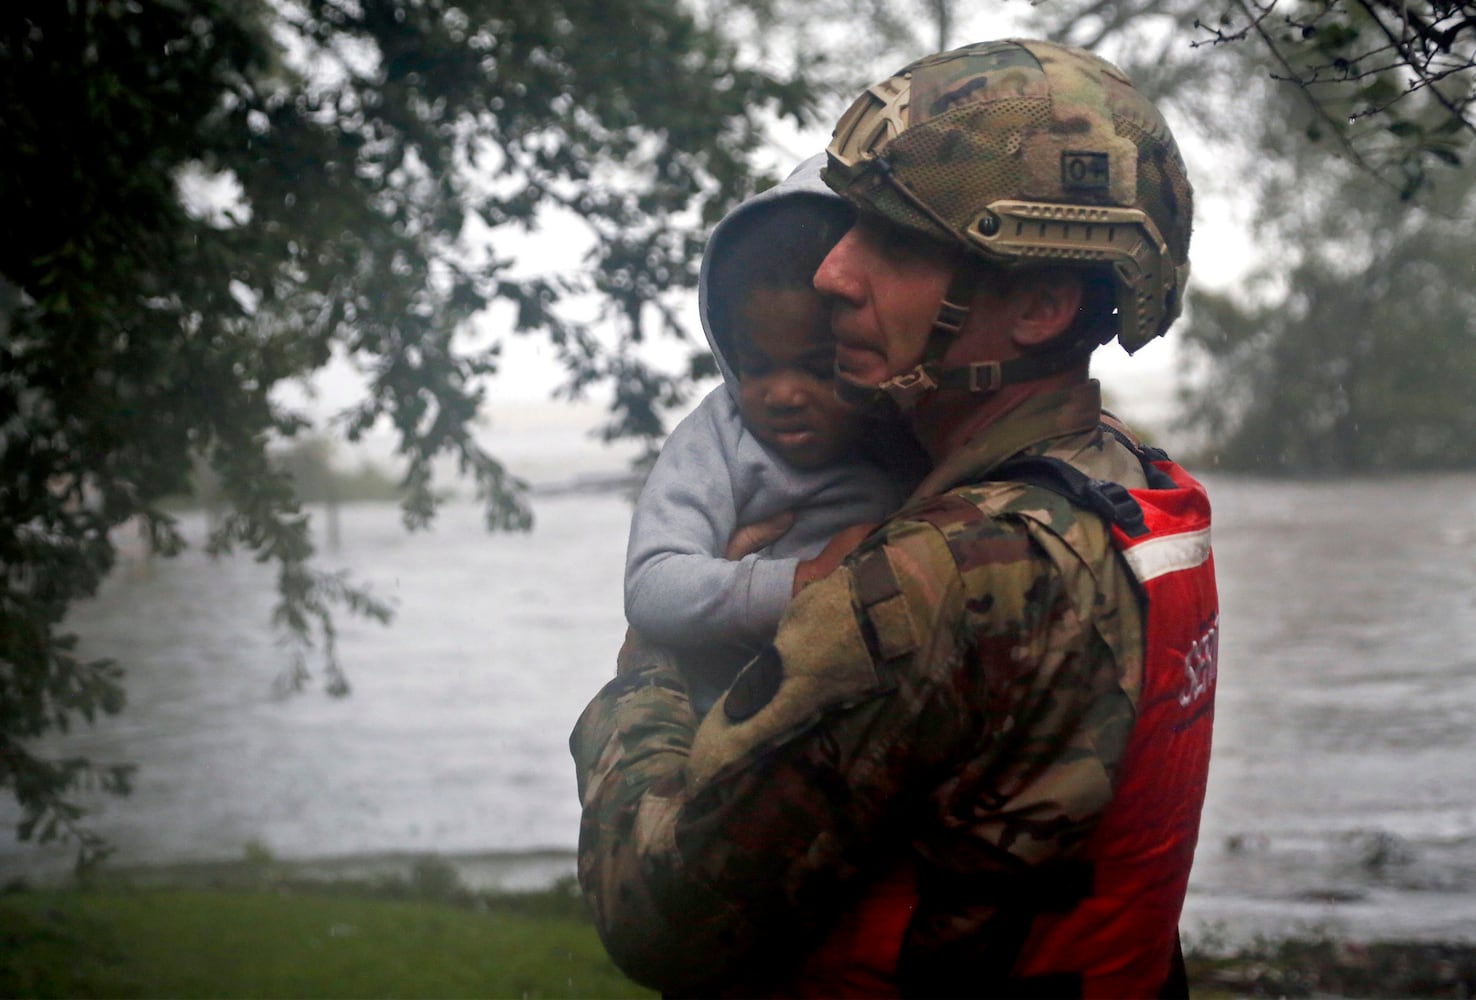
(263, 943)
(251, 931)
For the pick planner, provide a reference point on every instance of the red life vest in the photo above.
(1121, 938)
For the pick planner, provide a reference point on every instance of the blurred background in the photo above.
(333, 335)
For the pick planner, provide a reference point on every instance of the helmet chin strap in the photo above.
(901, 393)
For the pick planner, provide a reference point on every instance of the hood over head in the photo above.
(803, 182)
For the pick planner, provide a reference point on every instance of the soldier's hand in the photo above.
(752, 537)
(835, 551)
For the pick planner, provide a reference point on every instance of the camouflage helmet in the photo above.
(1026, 151)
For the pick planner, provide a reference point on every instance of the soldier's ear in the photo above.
(1046, 305)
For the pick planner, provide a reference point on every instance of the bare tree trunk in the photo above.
(943, 20)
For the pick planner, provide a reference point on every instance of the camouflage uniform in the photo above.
(958, 693)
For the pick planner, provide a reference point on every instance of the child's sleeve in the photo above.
(678, 587)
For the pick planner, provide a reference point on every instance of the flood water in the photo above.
(1341, 795)
(1341, 790)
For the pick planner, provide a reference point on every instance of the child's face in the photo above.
(786, 375)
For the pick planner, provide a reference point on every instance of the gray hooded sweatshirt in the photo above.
(711, 478)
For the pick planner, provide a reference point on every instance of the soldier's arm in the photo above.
(700, 847)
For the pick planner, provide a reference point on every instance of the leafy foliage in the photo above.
(1393, 81)
(373, 163)
(842, 46)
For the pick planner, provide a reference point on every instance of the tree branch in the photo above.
(1257, 25)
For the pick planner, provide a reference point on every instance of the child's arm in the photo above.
(679, 588)
(752, 537)
(840, 545)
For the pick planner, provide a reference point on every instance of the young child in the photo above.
(771, 438)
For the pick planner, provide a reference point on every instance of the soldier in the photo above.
(973, 759)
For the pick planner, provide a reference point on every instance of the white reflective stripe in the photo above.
(1168, 554)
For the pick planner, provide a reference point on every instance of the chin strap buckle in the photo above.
(917, 380)
(985, 376)
(906, 389)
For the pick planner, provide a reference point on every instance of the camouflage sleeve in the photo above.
(630, 752)
(704, 845)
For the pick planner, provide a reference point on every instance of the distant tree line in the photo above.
(310, 463)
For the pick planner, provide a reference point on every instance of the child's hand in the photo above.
(835, 551)
(760, 534)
